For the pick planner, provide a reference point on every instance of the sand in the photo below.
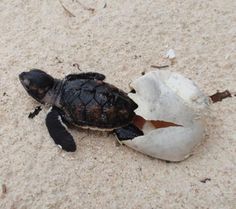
(120, 39)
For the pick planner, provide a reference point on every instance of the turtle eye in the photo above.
(41, 91)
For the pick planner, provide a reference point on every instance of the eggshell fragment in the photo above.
(170, 97)
(170, 54)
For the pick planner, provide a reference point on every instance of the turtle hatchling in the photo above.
(82, 100)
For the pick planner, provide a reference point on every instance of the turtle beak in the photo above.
(24, 81)
(21, 76)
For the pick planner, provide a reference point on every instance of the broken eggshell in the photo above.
(168, 97)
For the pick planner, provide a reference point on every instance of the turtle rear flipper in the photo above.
(128, 132)
(58, 132)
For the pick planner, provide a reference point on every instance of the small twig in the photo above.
(77, 66)
(159, 67)
(69, 13)
(105, 5)
(82, 138)
(85, 7)
(205, 180)
(219, 96)
(36, 112)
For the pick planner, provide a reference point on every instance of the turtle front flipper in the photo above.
(88, 75)
(58, 130)
(128, 132)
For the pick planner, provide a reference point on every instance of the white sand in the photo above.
(121, 40)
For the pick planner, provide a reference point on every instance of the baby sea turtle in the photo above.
(83, 100)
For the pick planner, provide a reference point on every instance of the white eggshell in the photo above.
(168, 96)
(170, 54)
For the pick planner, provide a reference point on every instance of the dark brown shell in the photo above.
(94, 103)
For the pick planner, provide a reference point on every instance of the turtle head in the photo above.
(37, 83)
